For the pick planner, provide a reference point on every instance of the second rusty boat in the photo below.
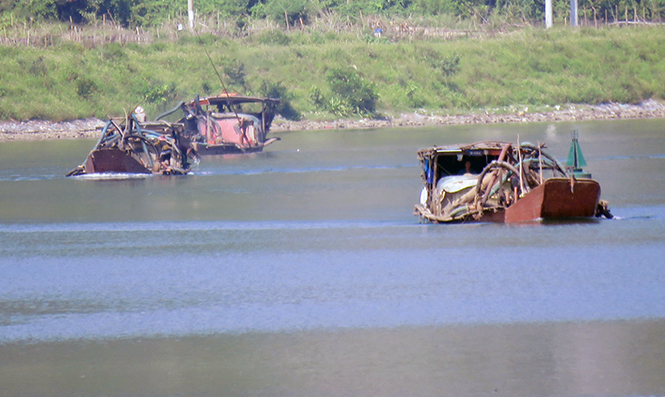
(502, 182)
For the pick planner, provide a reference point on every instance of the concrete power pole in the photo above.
(548, 14)
(573, 12)
(190, 13)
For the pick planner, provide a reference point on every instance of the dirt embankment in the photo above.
(90, 128)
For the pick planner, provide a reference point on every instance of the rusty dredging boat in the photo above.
(494, 181)
(129, 146)
(228, 123)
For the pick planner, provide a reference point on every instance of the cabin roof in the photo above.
(234, 100)
(460, 148)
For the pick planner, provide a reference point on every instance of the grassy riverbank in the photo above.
(455, 73)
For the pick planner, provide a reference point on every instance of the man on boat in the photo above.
(467, 169)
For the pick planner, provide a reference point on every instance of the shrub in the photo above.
(38, 68)
(85, 87)
(157, 92)
(113, 52)
(317, 98)
(273, 37)
(293, 12)
(235, 70)
(353, 90)
(415, 97)
(284, 108)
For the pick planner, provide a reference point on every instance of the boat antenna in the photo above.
(540, 161)
(519, 157)
(226, 92)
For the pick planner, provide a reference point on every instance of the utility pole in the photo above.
(548, 14)
(190, 13)
(573, 12)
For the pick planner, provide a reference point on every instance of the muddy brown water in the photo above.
(301, 271)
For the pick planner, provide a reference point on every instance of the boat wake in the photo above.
(112, 176)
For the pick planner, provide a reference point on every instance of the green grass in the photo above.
(527, 67)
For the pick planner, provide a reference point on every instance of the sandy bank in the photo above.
(89, 128)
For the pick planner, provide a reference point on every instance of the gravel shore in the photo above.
(90, 128)
(647, 109)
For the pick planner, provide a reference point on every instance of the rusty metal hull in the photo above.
(557, 198)
(113, 160)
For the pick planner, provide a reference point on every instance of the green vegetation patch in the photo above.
(323, 75)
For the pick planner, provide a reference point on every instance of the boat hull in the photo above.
(556, 198)
(113, 160)
(206, 149)
(229, 148)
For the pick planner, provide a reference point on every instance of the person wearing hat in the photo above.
(139, 113)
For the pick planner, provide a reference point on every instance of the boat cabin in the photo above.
(229, 123)
(440, 162)
(225, 124)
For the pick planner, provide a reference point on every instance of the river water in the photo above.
(301, 271)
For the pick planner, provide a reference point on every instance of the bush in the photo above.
(235, 70)
(317, 98)
(38, 68)
(277, 90)
(354, 91)
(273, 37)
(157, 92)
(415, 97)
(113, 52)
(350, 94)
(85, 87)
(291, 12)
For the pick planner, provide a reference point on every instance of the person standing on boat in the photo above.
(139, 113)
(241, 128)
(515, 185)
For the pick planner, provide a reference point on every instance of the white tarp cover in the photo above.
(453, 184)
